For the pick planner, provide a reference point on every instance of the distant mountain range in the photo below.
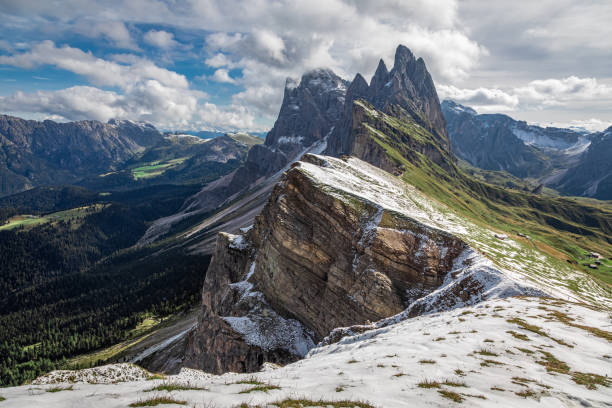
(104, 155)
(572, 162)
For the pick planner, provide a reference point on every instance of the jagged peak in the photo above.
(323, 78)
(403, 57)
(291, 83)
(358, 83)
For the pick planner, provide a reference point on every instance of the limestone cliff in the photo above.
(339, 243)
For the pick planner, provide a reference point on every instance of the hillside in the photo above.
(592, 176)
(506, 352)
(36, 153)
(498, 142)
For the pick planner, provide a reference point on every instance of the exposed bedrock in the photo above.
(316, 259)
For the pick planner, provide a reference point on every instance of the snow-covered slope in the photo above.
(515, 257)
(528, 352)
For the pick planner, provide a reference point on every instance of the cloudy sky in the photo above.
(222, 64)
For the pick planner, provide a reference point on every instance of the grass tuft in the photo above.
(262, 388)
(176, 387)
(453, 396)
(301, 403)
(151, 402)
(591, 381)
(58, 389)
(553, 364)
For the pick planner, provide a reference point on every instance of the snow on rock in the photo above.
(512, 352)
(238, 242)
(517, 260)
(108, 374)
(265, 328)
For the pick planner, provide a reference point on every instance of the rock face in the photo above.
(35, 153)
(407, 93)
(498, 142)
(309, 111)
(318, 257)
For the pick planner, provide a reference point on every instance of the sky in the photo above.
(222, 64)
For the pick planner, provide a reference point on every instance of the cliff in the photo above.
(339, 243)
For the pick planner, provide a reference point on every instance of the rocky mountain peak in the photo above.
(381, 76)
(451, 107)
(403, 57)
(407, 90)
(308, 111)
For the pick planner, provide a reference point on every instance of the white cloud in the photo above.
(561, 91)
(114, 31)
(219, 60)
(97, 70)
(589, 125)
(535, 95)
(145, 92)
(481, 99)
(222, 75)
(161, 39)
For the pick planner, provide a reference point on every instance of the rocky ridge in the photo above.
(285, 280)
(406, 93)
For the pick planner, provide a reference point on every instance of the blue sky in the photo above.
(211, 64)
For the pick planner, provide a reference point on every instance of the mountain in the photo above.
(177, 159)
(307, 115)
(407, 99)
(592, 176)
(36, 153)
(344, 260)
(428, 241)
(498, 142)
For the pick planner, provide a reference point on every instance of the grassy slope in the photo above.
(74, 214)
(565, 229)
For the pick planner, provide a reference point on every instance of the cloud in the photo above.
(482, 99)
(97, 70)
(114, 31)
(589, 125)
(161, 39)
(150, 101)
(222, 75)
(535, 95)
(562, 91)
(139, 90)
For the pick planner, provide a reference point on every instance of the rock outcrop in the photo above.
(339, 243)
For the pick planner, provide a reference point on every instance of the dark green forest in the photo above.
(71, 287)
